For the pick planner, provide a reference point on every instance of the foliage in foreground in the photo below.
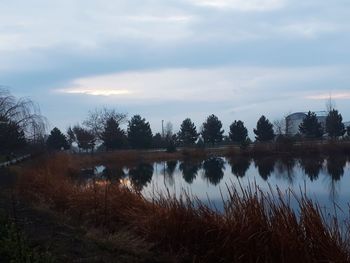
(254, 226)
(15, 248)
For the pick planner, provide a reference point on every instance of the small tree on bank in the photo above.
(85, 138)
(98, 118)
(311, 127)
(264, 130)
(57, 140)
(113, 137)
(23, 115)
(158, 141)
(12, 137)
(334, 124)
(188, 133)
(212, 132)
(238, 132)
(139, 133)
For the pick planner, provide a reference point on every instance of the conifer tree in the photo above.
(238, 132)
(311, 127)
(264, 130)
(188, 133)
(334, 124)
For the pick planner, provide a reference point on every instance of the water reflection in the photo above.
(169, 169)
(321, 177)
(189, 170)
(214, 170)
(285, 169)
(141, 175)
(312, 167)
(335, 167)
(266, 166)
(113, 174)
(239, 166)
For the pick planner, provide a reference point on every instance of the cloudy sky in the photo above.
(172, 59)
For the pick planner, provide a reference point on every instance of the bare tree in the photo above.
(97, 119)
(24, 113)
(168, 131)
(330, 104)
(282, 126)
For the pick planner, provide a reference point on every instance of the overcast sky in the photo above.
(173, 59)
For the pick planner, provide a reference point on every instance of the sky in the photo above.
(173, 59)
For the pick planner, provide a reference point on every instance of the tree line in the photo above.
(103, 128)
(21, 123)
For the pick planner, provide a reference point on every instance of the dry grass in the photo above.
(296, 149)
(254, 226)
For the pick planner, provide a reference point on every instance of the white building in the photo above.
(295, 119)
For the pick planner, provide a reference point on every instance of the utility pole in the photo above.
(163, 128)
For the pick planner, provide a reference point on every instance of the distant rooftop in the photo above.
(301, 114)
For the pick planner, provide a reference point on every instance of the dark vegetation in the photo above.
(14, 246)
(310, 127)
(22, 127)
(21, 124)
(254, 226)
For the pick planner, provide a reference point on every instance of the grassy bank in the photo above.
(292, 149)
(254, 227)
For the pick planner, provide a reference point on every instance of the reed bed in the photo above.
(254, 226)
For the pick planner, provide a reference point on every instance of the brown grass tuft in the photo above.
(254, 226)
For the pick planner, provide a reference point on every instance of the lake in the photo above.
(326, 181)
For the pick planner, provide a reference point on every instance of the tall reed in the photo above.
(254, 226)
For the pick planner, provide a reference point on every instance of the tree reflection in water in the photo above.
(189, 170)
(239, 166)
(285, 169)
(335, 168)
(312, 167)
(214, 170)
(169, 169)
(113, 174)
(266, 166)
(141, 175)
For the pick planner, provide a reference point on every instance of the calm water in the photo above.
(325, 180)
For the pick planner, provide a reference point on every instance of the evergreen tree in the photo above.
(11, 136)
(158, 141)
(212, 132)
(334, 124)
(139, 133)
(264, 130)
(310, 127)
(188, 133)
(113, 137)
(238, 132)
(85, 138)
(57, 140)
